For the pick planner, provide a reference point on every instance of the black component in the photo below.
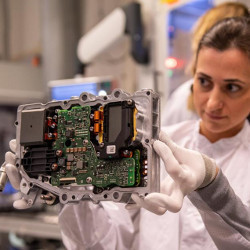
(118, 128)
(32, 127)
(61, 162)
(38, 160)
(69, 133)
(68, 143)
(135, 29)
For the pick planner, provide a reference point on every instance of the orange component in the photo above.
(96, 128)
(97, 115)
(101, 115)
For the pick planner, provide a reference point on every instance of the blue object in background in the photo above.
(65, 92)
(185, 17)
(9, 189)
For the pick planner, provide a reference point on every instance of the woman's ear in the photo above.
(190, 101)
(192, 88)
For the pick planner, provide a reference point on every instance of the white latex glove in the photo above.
(14, 175)
(188, 170)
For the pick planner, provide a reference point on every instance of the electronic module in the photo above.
(89, 147)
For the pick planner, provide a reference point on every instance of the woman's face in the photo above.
(222, 92)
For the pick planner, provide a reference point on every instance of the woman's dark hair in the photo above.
(229, 33)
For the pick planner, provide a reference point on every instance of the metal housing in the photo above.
(147, 127)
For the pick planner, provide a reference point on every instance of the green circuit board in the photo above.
(77, 158)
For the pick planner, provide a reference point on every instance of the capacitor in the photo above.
(54, 166)
(59, 153)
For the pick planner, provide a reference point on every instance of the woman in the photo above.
(180, 103)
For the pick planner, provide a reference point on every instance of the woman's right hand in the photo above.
(14, 175)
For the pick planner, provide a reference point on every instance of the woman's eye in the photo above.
(203, 82)
(233, 88)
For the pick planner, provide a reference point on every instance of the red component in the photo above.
(50, 136)
(59, 153)
(127, 154)
(49, 121)
(54, 166)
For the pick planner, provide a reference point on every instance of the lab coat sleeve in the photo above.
(225, 216)
(96, 227)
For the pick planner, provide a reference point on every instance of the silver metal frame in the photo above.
(148, 126)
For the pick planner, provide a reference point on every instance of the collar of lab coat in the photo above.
(202, 144)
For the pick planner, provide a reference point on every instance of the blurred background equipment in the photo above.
(67, 88)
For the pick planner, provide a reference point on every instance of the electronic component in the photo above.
(95, 148)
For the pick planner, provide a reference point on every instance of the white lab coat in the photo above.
(176, 109)
(110, 226)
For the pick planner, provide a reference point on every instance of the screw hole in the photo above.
(16, 123)
(116, 195)
(147, 140)
(105, 196)
(105, 98)
(64, 197)
(117, 94)
(65, 102)
(148, 92)
(73, 197)
(84, 97)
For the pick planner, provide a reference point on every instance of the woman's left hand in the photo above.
(187, 170)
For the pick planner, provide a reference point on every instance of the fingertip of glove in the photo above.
(10, 157)
(21, 204)
(157, 145)
(12, 145)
